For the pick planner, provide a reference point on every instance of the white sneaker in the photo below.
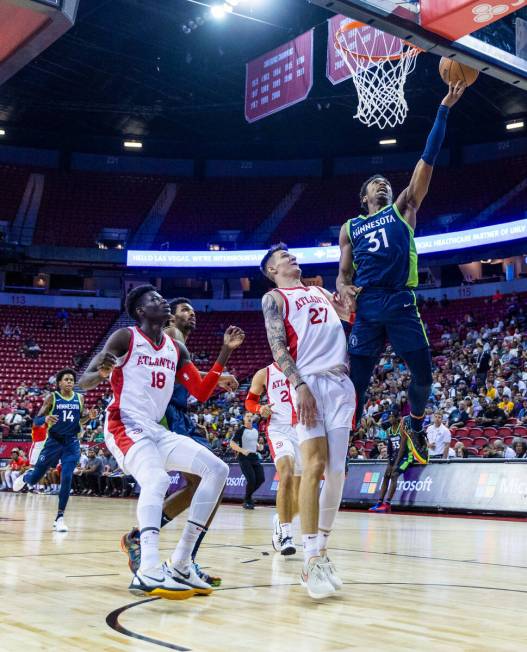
(190, 578)
(158, 582)
(59, 525)
(331, 573)
(19, 483)
(316, 581)
(277, 534)
(287, 547)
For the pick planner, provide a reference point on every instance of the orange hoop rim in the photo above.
(355, 24)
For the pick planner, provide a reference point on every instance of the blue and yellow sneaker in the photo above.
(131, 546)
(417, 441)
(210, 579)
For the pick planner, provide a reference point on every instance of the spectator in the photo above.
(17, 465)
(500, 450)
(459, 416)
(354, 455)
(519, 446)
(31, 348)
(460, 450)
(493, 416)
(91, 473)
(439, 438)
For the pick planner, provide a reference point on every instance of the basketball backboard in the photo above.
(498, 47)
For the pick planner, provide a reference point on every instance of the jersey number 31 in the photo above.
(374, 241)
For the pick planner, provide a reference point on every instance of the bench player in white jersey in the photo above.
(144, 364)
(285, 449)
(308, 343)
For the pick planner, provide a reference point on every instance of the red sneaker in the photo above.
(385, 508)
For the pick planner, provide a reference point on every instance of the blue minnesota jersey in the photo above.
(384, 254)
(69, 412)
(176, 415)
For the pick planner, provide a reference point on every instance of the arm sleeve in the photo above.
(252, 403)
(199, 387)
(436, 137)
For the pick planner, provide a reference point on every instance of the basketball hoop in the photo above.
(379, 64)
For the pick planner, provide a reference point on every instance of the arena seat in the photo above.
(476, 432)
(479, 442)
(462, 432)
(520, 431)
(504, 431)
(490, 432)
(508, 440)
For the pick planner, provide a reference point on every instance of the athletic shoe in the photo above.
(277, 534)
(331, 573)
(375, 507)
(316, 581)
(287, 547)
(211, 580)
(19, 483)
(385, 508)
(190, 578)
(248, 505)
(59, 525)
(417, 441)
(131, 546)
(158, 582)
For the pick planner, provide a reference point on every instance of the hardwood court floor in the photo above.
(412, 583)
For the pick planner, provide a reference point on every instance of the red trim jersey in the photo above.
(315, 335)
(279, 397)
(143, 380)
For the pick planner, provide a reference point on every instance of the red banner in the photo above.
(336, 69)
(279, 78)
(456, 18)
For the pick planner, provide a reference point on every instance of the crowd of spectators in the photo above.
(479, 378)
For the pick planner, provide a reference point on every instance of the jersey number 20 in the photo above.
(374, 240)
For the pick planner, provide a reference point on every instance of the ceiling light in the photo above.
(388, 141)
(133, 144)
(2, 132)
(217, 12)
(517, 124)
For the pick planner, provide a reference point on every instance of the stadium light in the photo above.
(517, 124)
(388, 141)
(133, 144)
(217, 11)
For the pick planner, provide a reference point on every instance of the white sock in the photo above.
(181, 557)
(149, 548)
(310, 543)
(286, 530)
(323, 541)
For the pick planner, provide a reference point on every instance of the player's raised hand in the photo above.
(228, 382)
(106, 365)
(233, 337)
(455, 91)
(347, 296)
(306, 406)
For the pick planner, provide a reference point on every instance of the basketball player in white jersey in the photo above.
(309, 345)
(143, 364)
(285, 450)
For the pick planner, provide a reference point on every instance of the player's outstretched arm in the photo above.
(274, 325)
(188, 374)
(252, 402)
(103, 363)
(410, 200)
(347, 292)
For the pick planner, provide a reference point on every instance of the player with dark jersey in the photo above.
(400, 457)
(62, 412)
(377, 275)
(177, 419)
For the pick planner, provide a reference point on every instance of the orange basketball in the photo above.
(453, 71)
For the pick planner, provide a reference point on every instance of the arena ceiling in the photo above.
(128, 69)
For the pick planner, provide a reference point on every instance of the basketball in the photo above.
(453, 71)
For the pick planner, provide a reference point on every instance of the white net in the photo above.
(379, 64)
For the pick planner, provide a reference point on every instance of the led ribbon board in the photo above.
(435, 244)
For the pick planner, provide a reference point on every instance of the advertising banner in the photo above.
(477, 486)
(279, 78)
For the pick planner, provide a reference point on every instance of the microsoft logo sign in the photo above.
(370, 482)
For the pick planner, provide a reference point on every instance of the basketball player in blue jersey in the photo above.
(177, 419)
(62, 412)
(377, 274)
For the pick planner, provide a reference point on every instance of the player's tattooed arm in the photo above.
(276, 336)
(103, 363)
(306, 405)
(346, 292)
